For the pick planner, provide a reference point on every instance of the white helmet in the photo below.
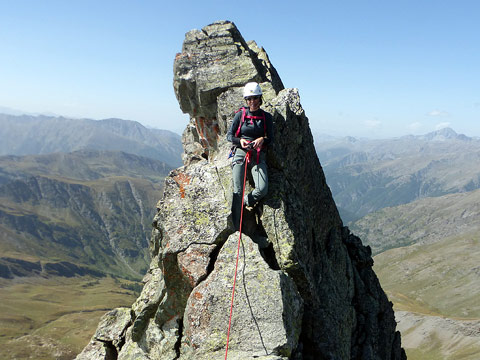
(252, 89)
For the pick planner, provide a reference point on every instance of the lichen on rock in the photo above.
(308, 292)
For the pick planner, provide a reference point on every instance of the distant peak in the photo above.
(444, 134)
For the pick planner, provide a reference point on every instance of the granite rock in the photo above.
(310, 294)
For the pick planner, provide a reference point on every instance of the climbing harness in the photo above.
(251, 118)
(247, 160)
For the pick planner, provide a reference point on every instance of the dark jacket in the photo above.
(251, 128)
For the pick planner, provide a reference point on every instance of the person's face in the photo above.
(253, 102)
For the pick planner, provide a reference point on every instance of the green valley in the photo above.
(427, 260)
(55, 317)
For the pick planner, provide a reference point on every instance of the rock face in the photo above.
(310, 294)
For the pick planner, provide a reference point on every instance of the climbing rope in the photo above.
(247, 159)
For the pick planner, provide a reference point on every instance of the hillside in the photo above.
(435, 291)
(33, 135)
(368, 175)
(53, 318)
(436, 279)
(74, 227)
(423, 221)
(427, 261)
(88, 212)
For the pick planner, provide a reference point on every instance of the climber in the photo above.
(251, 131)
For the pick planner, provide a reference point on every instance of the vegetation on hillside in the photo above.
(88, 209)
(427, 262)
(54, 318)
(423, 221)
(74, 226)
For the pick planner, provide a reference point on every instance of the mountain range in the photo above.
(86, 212)
(33, 135)
(77, 197)
(367, 175)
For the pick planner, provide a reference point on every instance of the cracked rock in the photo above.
(305, 286)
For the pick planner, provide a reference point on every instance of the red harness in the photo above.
(252, 117)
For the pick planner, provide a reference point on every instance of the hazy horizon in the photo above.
(315, 133)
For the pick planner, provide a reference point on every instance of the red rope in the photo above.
(247, 159)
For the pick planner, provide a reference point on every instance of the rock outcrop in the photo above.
(310, 294)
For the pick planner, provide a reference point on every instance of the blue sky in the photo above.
(363, 68)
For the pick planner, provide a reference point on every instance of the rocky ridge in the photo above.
(311, 294)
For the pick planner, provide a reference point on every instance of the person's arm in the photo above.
(233, 129)
(268, 139)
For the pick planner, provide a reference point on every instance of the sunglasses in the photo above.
(252, 98)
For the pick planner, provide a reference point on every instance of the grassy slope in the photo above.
(427, 262)
(436, 279)
(435, 291)
(55, 318)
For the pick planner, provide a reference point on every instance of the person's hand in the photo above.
(258, 143)
(244, 143)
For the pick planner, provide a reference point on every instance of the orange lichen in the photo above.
(201, 130)
(188, 274)
(182, 180)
